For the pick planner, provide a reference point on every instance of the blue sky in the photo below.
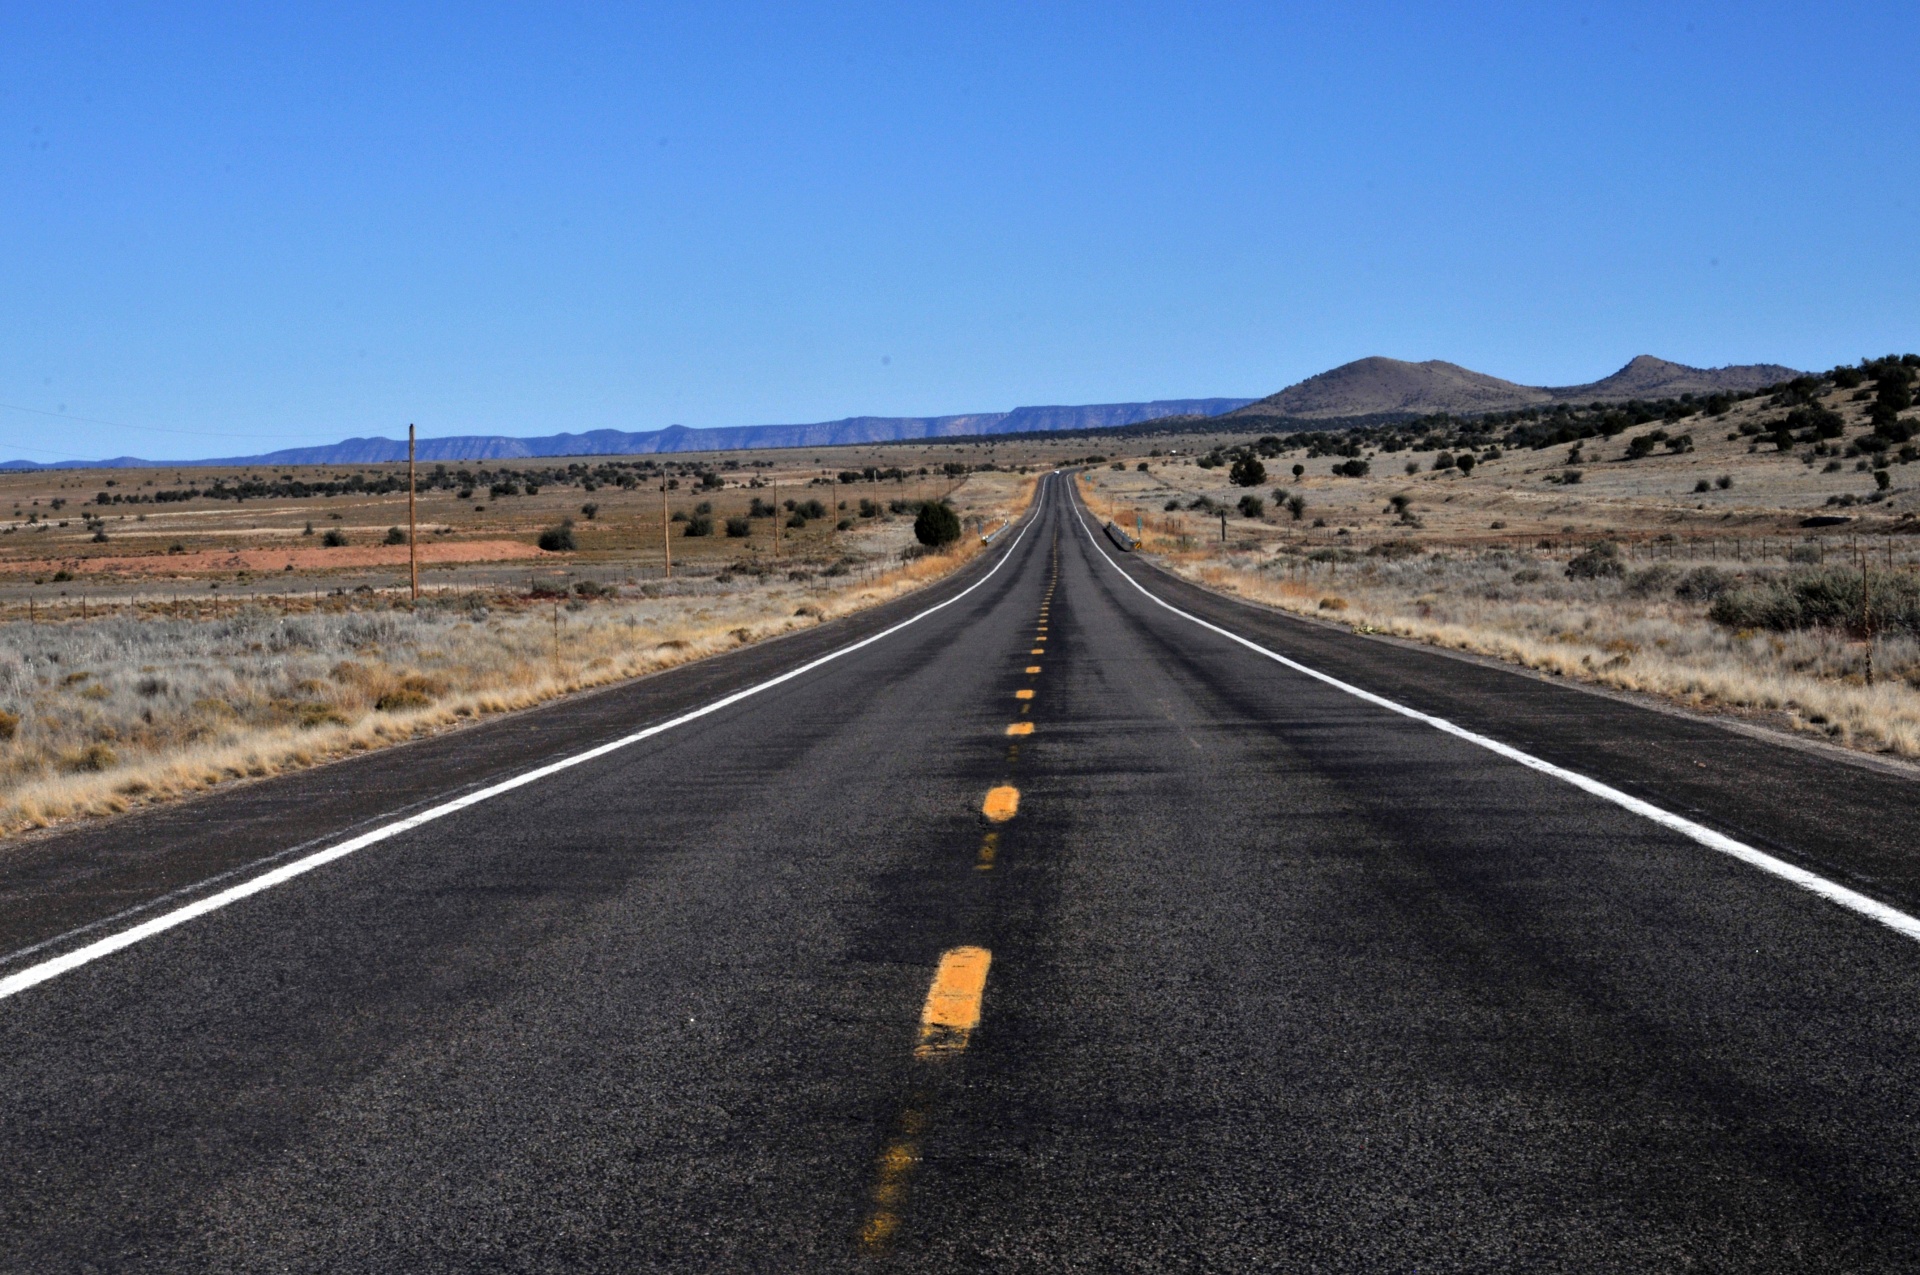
(229, 229)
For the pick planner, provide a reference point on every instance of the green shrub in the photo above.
(1602, 561)
(1247, 472)
(1703, 584)
(589, 511)
(558, 539)
(395, 536)
(936, 525)
(334, 539)
(739, 528)
(1824, 598)
(1252, 506)
(699, 525)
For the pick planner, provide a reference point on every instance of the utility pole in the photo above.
(1866, 612)
(413, 525)
(776, 522)
(666, 526)
(1223, 526)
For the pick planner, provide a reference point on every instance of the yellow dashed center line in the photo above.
(1002, 803)
(952, 1010)
(1023, 694)
(1037, 651)
(1020, 728)
(1033, 668)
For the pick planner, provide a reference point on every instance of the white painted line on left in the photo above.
(34, 975)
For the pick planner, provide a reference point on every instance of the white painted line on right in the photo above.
(1832, 891)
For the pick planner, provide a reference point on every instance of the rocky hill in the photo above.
(1377, 386)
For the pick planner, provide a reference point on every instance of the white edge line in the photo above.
(1832, 891)
(34, 975)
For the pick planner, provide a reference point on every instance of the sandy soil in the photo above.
(301, 559)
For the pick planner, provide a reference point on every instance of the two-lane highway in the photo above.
(1043, 926)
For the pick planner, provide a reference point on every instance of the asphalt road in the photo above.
(1247, 973)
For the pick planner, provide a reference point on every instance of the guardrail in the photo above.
(1119, 537)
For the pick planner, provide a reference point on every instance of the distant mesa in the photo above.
(679, 438)
(1383, 386)
(1371, 387)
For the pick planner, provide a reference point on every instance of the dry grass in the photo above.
(104, 714)
(1632, 632)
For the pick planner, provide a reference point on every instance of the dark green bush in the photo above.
(334, 539)
(558, 539)
(395, 536)
(1252, 506)
(1602, 561)
(739, 528)
(1247, 472)
(936, 525)
(699, 525)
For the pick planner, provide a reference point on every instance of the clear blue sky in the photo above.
(275, 224)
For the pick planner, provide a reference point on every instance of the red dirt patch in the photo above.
(277, 559)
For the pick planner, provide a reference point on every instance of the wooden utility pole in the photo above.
(776, 522)
(666, 527)
(413, 525)
(1866, 612)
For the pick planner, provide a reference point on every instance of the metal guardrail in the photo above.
(1119, 537)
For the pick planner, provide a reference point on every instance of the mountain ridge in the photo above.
(680, 438)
